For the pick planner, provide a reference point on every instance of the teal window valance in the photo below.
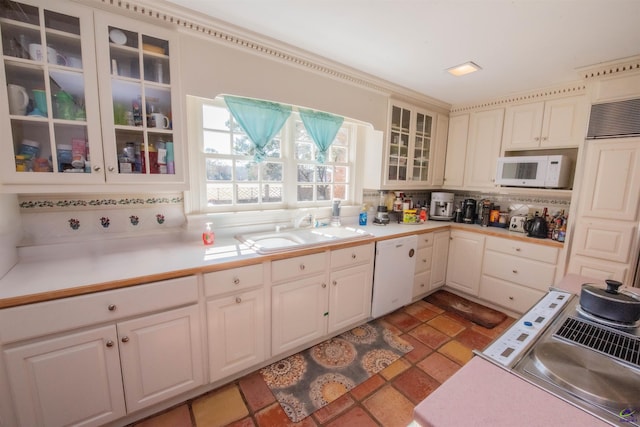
(261, 120)
(323, 128)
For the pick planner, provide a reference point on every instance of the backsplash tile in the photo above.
(58, 219)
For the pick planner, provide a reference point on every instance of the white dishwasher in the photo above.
(393, 274)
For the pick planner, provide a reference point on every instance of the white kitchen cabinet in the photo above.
(464, 263)
(558, 123)
(439, 150)
(114, 366)
(516, 274)
(456, 150)
(411, 151)
(237, 327)
(96, 68)
(605, 238)
(423, 265)
(313, 299)
(439, 259)
(483, 148)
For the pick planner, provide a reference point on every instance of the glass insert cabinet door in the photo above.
(137, 100)
(50, 94)
(410, 140)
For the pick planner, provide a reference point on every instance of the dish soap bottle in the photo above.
(207, 235)
(362, 218)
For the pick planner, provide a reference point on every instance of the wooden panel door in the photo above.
(70, 380)
(161, 356)
(483, 148)
(465, 261)
(456, 150)
(350, 296)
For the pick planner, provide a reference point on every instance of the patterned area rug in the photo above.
(483, 316)
(311, 379)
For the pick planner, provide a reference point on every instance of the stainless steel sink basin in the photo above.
(290, 239)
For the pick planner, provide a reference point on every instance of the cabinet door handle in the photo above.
(335, 283)
(514, 271)
(236, 281)
(238, 300)
(111, 307)
(109, 343)
(125, 339)
(544, 138)
(537, 138)
(511, 298)
(517, 249)
(302, 267)
(97, 168)
(353, 256)
(324, 285)
(422, 285)
(424, 260)
(111, 168)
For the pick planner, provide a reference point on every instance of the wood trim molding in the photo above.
(610, 68)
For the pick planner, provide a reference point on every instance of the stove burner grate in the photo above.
(620, 346)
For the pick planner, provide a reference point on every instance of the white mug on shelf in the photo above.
(35, 52)
(159, 120)
(18, 100)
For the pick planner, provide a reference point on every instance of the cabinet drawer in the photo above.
(291, 268)
(523, 249)
(421, 283)
(514, 297)
(351, 256)
(221, 282)
(518, 270)
(44, 318)
(424, 240)
(423, 259)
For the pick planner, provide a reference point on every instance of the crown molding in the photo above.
(185, 20)
(603, 69)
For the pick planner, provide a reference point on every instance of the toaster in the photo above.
(517, 223)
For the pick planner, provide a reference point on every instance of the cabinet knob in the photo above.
(517, 249)
(514, 271)
(324, 285)
(111, 168)
(236, 281)
(125, 339)
(424, 260)
(537, 138)
(544, 138)
(302, 267)
(511, 298)
(335, 283)
(353, 256)
(422, 285)
(238, 300)
(111, 307)
(97, 168)
(109, 343)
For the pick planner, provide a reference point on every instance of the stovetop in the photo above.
(591, 365)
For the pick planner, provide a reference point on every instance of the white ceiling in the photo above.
(520, 44)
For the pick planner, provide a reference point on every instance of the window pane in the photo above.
(325, 173)
(340, 191)
(219, 194)
(305, 193)
(216, 142)
(273, 148)
(242, 145)
(304, 151)
(247, 193)
(215, 117)
(340, 174)
(301, 132)
(342, 137)
(324, 192)
(305, 173)
(218, 170)
(272, 193)
(272, 172)
(247, 171)
(339, 154)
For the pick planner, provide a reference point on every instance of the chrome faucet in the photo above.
(308, 218)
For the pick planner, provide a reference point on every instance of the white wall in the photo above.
(10, 231)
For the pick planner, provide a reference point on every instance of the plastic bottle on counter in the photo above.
(362, 218)
(208, 236)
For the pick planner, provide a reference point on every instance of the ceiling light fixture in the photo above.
(462, 69)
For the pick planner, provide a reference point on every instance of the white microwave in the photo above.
(534, 171)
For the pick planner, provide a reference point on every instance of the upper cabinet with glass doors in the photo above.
(138, 101)
(81, 84)
(410, 147)
(49, 103)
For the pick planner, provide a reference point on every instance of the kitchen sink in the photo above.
(299, 238)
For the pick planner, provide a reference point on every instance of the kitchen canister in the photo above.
(65, 157)
(30, 148)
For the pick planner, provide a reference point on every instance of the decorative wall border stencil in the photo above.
(50, 203)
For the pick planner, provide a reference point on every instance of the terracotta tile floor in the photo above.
(442, 343)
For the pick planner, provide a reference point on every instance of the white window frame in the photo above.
(197, 200)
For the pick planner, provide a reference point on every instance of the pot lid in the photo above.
(611, 292)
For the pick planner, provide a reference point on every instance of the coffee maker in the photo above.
(469, 211)
(441, 206)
